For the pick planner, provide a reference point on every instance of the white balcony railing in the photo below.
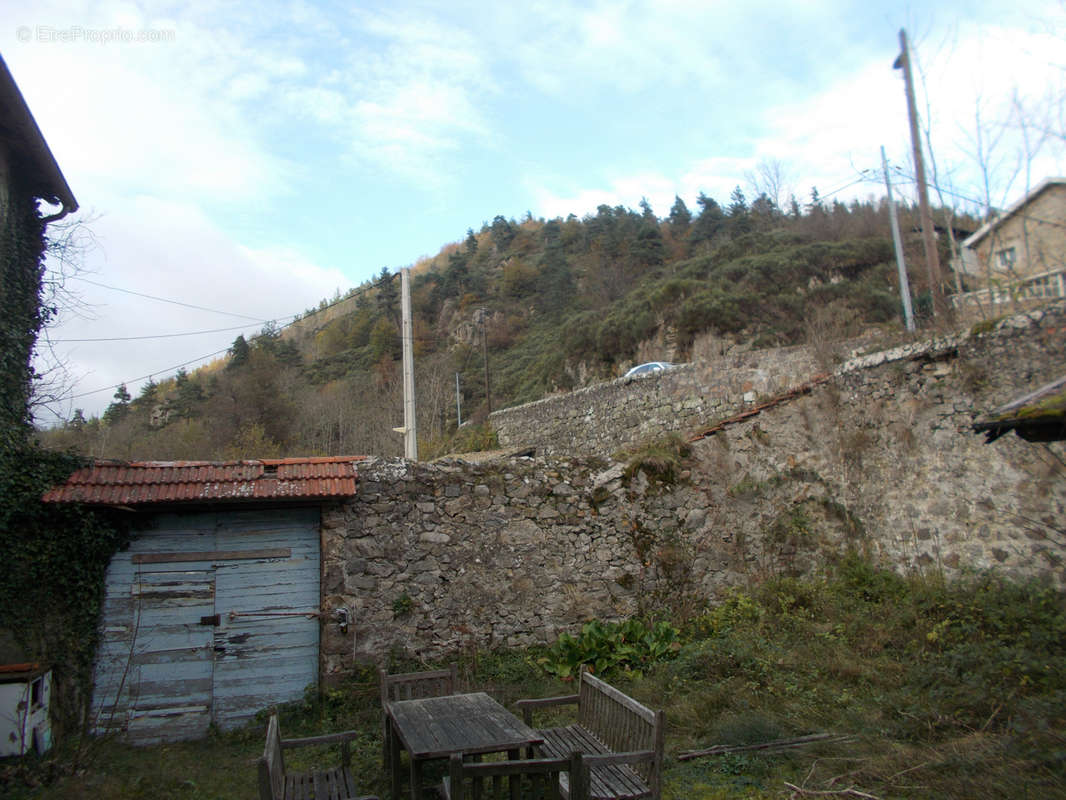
(1045, 286)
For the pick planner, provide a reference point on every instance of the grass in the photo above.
(947, 690)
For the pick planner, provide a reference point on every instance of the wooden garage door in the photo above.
(207, 620)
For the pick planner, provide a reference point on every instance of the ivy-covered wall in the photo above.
(21, 256)
(54, 559)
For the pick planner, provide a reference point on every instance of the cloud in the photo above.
(174, 250)
(657, 189)
(831, 137)
(144, 115)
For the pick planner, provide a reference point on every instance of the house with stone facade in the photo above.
(1019, 256)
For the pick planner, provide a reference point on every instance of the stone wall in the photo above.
(607, 416)
(436, 558)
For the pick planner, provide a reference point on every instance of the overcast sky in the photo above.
(254, 158)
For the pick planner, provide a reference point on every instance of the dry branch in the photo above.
(777, 744)
(849, 792)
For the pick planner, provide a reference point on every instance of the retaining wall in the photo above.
(436, 558)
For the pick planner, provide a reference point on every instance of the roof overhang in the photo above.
(19, 132)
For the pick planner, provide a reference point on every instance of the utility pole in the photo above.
(410, 428)
(932, 260)
(458, 403)
(485, 350)
(901, 266)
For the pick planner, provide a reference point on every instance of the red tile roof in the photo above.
(120, 483)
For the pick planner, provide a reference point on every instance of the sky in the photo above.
(248, 160)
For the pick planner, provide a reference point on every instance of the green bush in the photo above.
(605, 647)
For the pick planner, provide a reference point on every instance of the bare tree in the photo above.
(770, 177)
(68, 244)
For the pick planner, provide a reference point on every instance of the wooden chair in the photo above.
(276, 783)
(531, 779)
(411, 686)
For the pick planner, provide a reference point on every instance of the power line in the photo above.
(166, 300)
(863, 177)
(911, 179)
(289, 319)
(155, 336)
(150, 374)
(350, 295)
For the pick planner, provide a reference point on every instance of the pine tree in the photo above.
(710, 221)
(680, 217)
(739, 218)
(388, 299)
(238, 353)
(120, 407)
(148, 393)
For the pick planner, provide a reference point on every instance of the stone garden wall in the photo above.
(436, 558)
(603, 417)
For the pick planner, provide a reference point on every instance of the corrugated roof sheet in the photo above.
(146, 482)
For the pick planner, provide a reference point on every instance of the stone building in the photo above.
(1020, 255)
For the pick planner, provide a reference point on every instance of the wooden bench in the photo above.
(530, 779)
(276, 783)
(620, 739)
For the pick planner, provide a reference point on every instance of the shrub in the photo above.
(603, 648)
(662, 460)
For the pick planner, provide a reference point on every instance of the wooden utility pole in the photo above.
(932, 259)
(901, 265)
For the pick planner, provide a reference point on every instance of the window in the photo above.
(1006, 257)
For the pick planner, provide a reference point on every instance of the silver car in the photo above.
(649, 368)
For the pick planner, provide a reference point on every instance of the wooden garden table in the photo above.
(436, 727)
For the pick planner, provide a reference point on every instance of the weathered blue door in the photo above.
(170, 666)
(209, 617)
(266, 645)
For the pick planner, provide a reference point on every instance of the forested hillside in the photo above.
(518, 310)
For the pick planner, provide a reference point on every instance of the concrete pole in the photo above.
(410, 428)
(485, 350)
(932, 259)
(458, 403)
(901, 265)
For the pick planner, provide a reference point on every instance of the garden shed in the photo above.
(214, 610)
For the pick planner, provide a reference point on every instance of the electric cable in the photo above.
(166, 300)
(359, 290)
(155, 336)
(149, 375)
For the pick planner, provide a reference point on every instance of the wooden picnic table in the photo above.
(436, 727)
